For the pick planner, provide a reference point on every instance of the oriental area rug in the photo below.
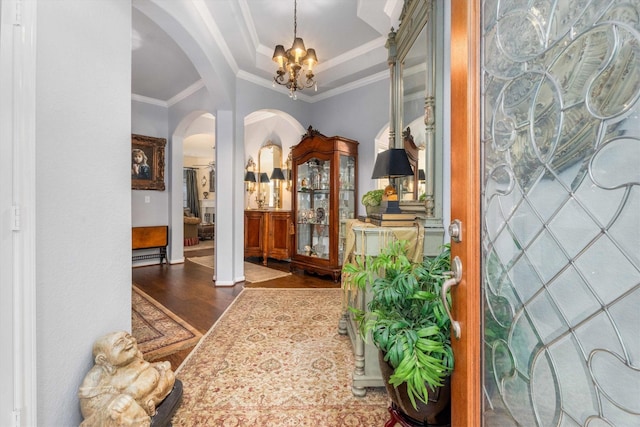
(252, 273)
(159, 332)
(275, 358)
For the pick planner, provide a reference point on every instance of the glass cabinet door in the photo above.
(314, 207)
(346, 198)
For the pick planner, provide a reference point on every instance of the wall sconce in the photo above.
(391, 164)
(250, 175)
(250, 179)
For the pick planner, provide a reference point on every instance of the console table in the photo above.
(153, 237)
(365, 239)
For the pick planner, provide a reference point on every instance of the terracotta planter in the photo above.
(435, 413)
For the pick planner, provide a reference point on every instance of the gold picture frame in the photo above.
(147, 162)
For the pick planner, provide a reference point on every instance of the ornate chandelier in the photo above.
(294, 61)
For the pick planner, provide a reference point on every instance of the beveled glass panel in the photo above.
(573, 296)
(579, 399)
(608, 276)
(561, 149)
(544, 390)
(547, 256)
(574, 227)
(546, 195)
(525, 224)
(526, 281)
(599, 332)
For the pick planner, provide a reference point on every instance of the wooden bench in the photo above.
(154, 237)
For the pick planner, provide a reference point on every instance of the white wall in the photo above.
(83, 234)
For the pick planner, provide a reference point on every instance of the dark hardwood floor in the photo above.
(189, 292)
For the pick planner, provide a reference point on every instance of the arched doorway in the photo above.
(192, 148)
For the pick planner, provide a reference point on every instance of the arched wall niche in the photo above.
(282, 130)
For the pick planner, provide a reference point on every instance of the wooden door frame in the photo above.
(465, 206)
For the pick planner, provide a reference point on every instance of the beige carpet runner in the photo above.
(275, 358)
(252, 273)
(159, 332)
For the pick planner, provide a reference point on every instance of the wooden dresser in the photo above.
(268, 234)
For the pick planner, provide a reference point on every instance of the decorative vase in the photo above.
(435, 413)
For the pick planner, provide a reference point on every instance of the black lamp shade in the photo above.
(250, 177)
(264, 177)
(392, 163)
(277, 174)
(421, 175)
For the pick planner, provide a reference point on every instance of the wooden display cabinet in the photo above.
(325, 171)
(267, 234)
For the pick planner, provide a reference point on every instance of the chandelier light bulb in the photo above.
(298, 49)
(279, 55)
(310, 59)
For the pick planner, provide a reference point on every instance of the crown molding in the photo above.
(185, 93)
(357, 52)
(269, 85)
(210, 23)
(173, 100)
(243, 75)
(382, 75)
(147, 100)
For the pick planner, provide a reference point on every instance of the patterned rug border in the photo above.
(166, 350)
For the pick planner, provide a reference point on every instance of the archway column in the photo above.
(229, 226)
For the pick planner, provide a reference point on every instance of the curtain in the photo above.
(212, 180)
(192, 191)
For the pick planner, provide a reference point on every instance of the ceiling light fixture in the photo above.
(293, 61)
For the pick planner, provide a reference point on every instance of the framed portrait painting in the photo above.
(147, 162)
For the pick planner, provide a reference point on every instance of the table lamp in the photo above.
(277, 176)
(391, 164)
(264, 178)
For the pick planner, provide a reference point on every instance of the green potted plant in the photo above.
(408, 323)
(372, 199)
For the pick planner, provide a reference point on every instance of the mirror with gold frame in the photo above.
(269, 194)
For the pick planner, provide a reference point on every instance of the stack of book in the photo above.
(392, 219)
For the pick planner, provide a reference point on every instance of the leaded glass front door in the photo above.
(560, 238)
